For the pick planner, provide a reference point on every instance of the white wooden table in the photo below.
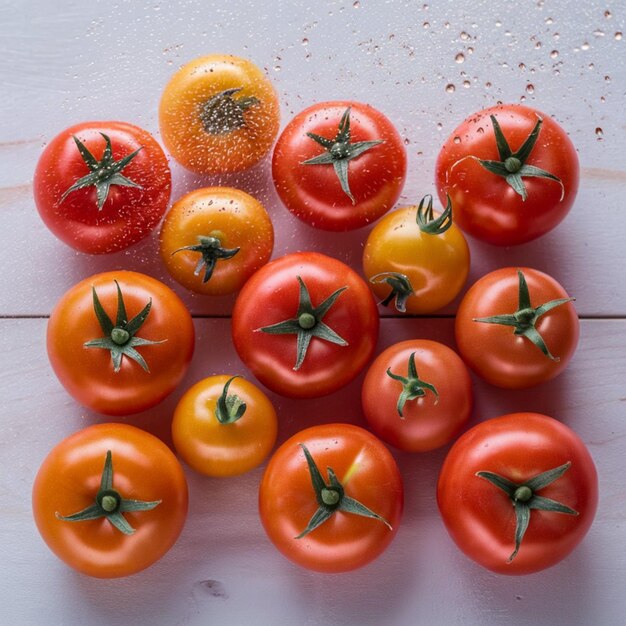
(68, 61)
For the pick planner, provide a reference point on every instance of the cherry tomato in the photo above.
(224, 426)
(125, 495)
(339, 165)
(102, 186)
(516, 328)
(120, 342)
(417, 395)
(512, 174)
(420, 260)
(496, 479)
(219, 113)
(214, 239)
(305, 325)
(331, 498)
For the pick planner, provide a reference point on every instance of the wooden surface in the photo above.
(66, 62)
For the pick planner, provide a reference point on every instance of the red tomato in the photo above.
(305, 325)
(130, 362)
(507, 352)
(115, 537)
(518, 203)
(420, 407)
(352, 465)
(482, 517)
(339, 165)
(102, 186)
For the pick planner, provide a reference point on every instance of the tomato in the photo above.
(219, 113)
(305, 325)
(417, 395)
(214, 239)
(102, 186)
(417, 259)
(496, 479)
(512, 173)
(516, 328)
(331, 498)
(224, 426)
(126, 492)
(339, 165)
(120, 342)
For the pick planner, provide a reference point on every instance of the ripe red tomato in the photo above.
(125, 492)
(339, 165)
(331, 498)
(512, 471)
(507, 190)
(417, 395)
(120, 342)
(516, 328)
(305, 325)
(102, 186)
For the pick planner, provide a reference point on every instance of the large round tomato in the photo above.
(512, 174)
(305, 325)
(522, 470)
(516, 327)
(417, 395)
(102, 186)
(339, 165)
(125, 495)
(224, 426)
(331, 498)
(120, 342)
(219, 113)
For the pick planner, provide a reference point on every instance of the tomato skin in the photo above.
(216, 449)
(493, 351)
(128, 215)
(428, 422)
(486, 206)
(436, 265)
(87, 373)
(271, 296)
(481, 519)
(144, 468)
(242, 222)
(182, 128)
(313, 192)
(287, 500)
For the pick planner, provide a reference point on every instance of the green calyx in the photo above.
(110, 504)
(426, 219)
(401, 288)
(224, 112)
(339, 152)
(211, 251)
(231, 407)
(412, 386)
(524, 498)
(120, 338)
(103, 173)
(308, 323)
(331, 497)
(524, 320)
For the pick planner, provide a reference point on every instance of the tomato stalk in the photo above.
(223, 113)
(231, 407)
(412, 386)
(211, 250)
(426, 219)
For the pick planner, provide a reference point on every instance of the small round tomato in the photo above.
(512, 174)
(518, 493)
(339, 165)
(110, 500)
(120, 342)
(417, 395)
(102, 186)
(420, 260)
(219, 113)
(305, 325)
(214, 239)
(516, 328)
(331, 498)
(224, 426)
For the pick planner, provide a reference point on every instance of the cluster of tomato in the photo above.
(112, 499)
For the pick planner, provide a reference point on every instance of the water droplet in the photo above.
(450, 88)
(459, 58)
(488, 85)
(618, 35)
(607, 79)
(407, 141)
(602, 99)
(457, 140)
(470, 50)
(554, 54)
(530, 88)
(556, 36)
(608, 14)
(464, 36)
(439, 125)
(549, 20)
(446, 25)
(598, 33)
(585, 46)
(356, 4)
(498, 23)
(522, 66)
(591, 66)
(305, 42)
(426, 24)
(277, 68)
(599, 132)
(538, 45)
(466, 84)
(480, 130)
